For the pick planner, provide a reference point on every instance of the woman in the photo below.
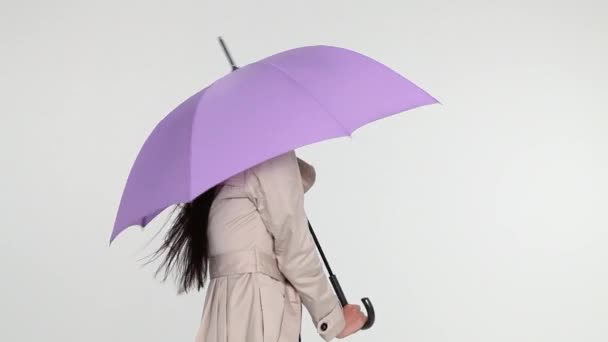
(250, 234)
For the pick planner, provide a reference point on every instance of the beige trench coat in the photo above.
(264, 264)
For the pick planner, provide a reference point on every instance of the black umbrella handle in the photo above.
(371, 314)
(367, 303)
(369, 307)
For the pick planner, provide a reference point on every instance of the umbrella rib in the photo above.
(307, 92)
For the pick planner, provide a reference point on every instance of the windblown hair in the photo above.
(186, 244)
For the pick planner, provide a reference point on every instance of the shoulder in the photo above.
(284, 170)
(275, 177)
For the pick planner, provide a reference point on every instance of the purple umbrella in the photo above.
(288, 100)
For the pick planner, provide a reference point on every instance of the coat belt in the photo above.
(247, 261)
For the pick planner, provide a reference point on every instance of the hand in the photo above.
(355, 319)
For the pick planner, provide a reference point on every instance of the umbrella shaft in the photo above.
(314, 236)
(228, 56)
(338, 289)
(332, 277)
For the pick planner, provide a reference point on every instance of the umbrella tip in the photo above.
(227, 53)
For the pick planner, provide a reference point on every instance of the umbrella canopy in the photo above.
(282, 102)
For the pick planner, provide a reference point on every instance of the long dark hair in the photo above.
(186, 244)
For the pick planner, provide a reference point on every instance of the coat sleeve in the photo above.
(280, 201)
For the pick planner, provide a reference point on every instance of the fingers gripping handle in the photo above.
(371, 314)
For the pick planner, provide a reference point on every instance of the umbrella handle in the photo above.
(371, 314)
(367, 303)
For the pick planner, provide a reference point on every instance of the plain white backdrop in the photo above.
(482, 219)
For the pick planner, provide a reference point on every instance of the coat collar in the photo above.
(308, 174)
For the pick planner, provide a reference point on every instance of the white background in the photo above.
(482, 219)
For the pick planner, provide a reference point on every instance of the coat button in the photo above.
(323, 326)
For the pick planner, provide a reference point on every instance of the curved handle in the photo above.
(371, 314)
